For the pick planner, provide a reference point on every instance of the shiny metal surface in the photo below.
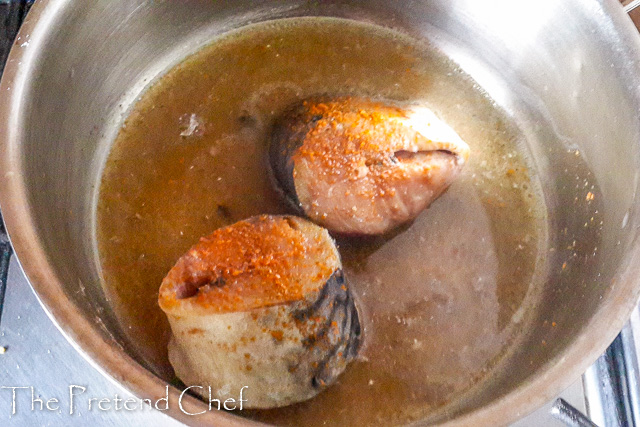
(571, 416)
(567, 72)
(612, 384)
(631, 5)
(38, 355)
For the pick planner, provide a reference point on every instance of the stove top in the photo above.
(40, 369)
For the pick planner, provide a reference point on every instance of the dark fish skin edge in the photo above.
(334, 303)
(287, 135)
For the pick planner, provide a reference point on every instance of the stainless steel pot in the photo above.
(568, 72)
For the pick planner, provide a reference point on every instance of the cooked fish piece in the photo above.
(359, 166)
(261, 303)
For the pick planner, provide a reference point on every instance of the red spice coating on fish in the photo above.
(261, 304)
(359, 166)
(258, 262)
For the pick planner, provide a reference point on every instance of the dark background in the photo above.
(11, 16)
(12, 13)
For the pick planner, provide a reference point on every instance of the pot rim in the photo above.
(111, 360)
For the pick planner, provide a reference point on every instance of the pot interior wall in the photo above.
(557, 68)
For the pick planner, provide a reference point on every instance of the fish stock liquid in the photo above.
(441, 300)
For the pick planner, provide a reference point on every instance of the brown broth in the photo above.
(441, 299)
